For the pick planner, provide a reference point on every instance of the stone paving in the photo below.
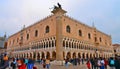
(82, 66)
(62, 67)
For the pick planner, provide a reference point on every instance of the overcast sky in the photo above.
(105, 14)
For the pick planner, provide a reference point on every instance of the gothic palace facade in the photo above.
(58, 37)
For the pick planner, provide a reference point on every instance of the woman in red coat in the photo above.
(88, 64)
(22, 66)
(106, 63)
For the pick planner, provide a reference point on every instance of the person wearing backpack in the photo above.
(112, 63)
(13, 63)
(117, 63)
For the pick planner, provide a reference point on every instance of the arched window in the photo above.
(95, 39)
(49, 44)
(36, 33)
(69, 45)
(79, 46)
(42, 45)
(52, 43)
(89, 36)
(100, 39)
(46, 44)
(68, 28)
(27, 36)
(66, 43)
(47, 29)
(80, 33)
(72, 44)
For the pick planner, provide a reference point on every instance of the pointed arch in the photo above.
(36, 33)
(38, 56)
(42, 55)
(53, 55)
(48, 55)
(68, 55)
(80, 32)
(47, 29)
(68, 29)
(74, 55)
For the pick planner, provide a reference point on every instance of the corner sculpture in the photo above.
(57, 7)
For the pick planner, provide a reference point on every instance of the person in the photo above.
(47, 62)
(5, 58)
(18, 63)
(43, 63)
(92, 63)
(22, 66)
(66, 62)
(112, 63)
(82, 60)
(75, 61)
(88, 64)
(106, 63)
(13, 63)
(102, 63)
(1, 60)
(95, 63)
(26, 61)
(10, 61)
(99, 62)
(5, 62)
(117, 63)
(78, 60)
(30, 63)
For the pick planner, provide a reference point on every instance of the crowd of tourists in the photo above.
(29, 63)
(96, 63)
(21, 63)
(16, 63)
(102, 63)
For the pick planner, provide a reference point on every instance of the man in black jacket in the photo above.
(117, 63)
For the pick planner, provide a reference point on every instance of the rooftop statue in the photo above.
(57, 7)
